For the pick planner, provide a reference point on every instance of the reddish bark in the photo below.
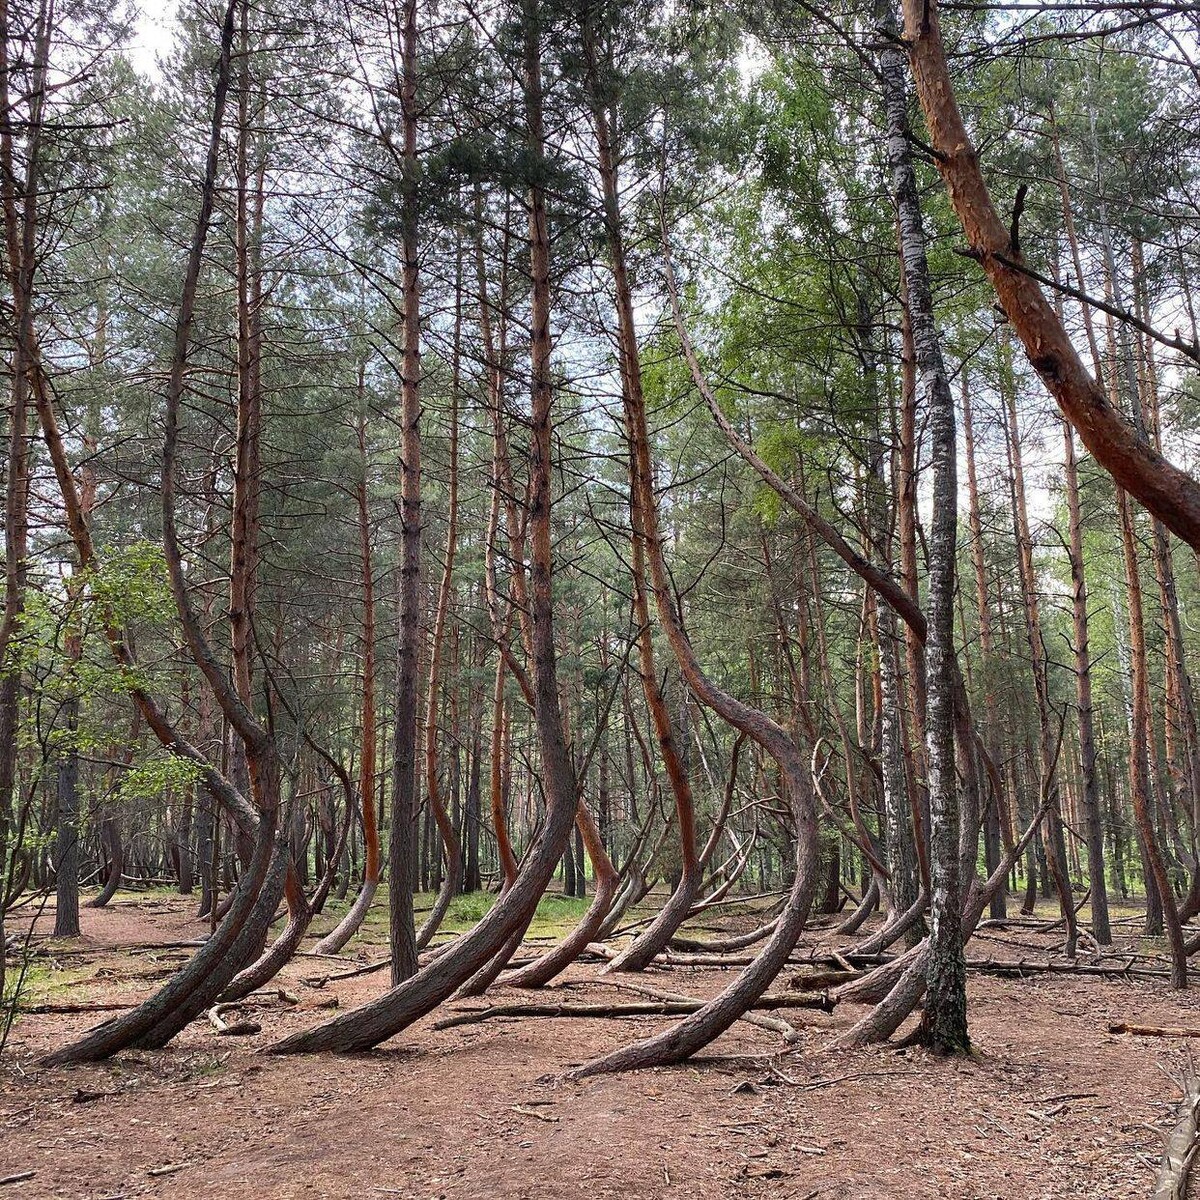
(1171, 494)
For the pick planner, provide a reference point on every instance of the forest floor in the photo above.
(1052, 1104)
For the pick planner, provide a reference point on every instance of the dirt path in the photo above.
(1053, 1106)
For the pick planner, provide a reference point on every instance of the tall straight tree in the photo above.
(946, 974)
(642, 950)
(491, 939)
(1091, 798)
(401, 849)
(19, 208)
(346, 928)
(1047, 747)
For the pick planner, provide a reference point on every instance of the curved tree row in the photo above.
(672, 400)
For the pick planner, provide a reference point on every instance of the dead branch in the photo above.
(1124, 970)
(226, 1029)
(647, 1008)
(57, 1009)
(1171, 1182)
(1159, 1031)
(774, 1024)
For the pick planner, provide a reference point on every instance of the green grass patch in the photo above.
(467, 911)
(42, 982)
(555, 917)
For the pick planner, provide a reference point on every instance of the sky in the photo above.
(153, 30)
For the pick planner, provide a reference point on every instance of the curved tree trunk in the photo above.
(900, 927)
(896, 987)
(449, 887)
(1171, 494)
(110, 832)
(694, 1032)
(114, 847)
(155, 1021)
(866, 906)
(246, 949)
(240, 936)
(655, 937)
(300, 914)
(301, 910)
(550, 964)
(726, 945)
(350, 924)
(634, 884)
(198, 984)
(396, 1009)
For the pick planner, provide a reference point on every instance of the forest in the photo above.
(600, 598)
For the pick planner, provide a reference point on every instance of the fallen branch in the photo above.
(44, 951)
(60, 1009)
(656, 1008)
(853, 1076)
(254, 999)
(1171, 1182)
(648, 1008)
(319, 981)
(670, 959)
(169, 1169)
(774, 1024)
(226, 1029)
(1160, 1031)
(1126, 970)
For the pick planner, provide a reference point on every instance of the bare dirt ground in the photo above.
(1052, 1105)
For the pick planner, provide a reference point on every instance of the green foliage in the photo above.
(158, 776)
(131, 585)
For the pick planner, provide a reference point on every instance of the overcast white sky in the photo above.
(153, 32)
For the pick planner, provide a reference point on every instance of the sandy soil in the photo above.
(1052, 1106)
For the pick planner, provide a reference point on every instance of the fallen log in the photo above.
(774, 1024)
(1159, 1031)
(671, 959)
(63, 1009)
(815, 981)
(647, 1008)
(1021, 967)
